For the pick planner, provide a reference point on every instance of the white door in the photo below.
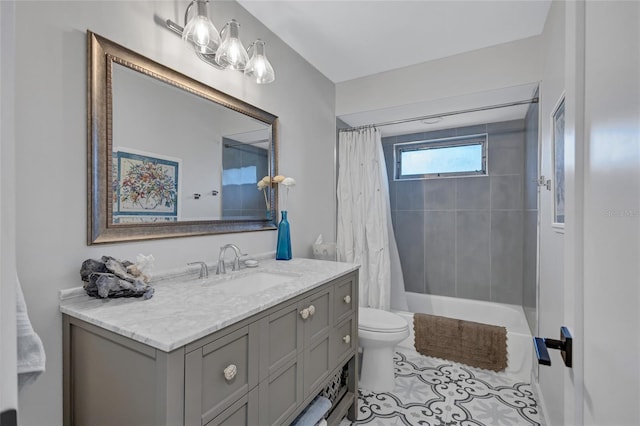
(604, 387)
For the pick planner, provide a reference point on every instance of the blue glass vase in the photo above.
(283, 251)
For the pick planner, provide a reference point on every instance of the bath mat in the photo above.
(471, 343)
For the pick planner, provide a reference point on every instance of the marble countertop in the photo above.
(185, 308)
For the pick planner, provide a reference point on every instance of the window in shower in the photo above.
(457, 156)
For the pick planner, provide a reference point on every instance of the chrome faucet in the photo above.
(236, 261)
(204, 271)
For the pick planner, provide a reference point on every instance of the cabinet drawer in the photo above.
(345, 339)
(218, 374)
(344, 298)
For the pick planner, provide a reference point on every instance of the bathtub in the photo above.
(519, 349)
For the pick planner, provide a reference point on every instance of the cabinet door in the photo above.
(344, 298)
(281, 393)
(317, 338)
(317, 364)
(280, 339)
(318, 322)
(218, 374)
(243, 412)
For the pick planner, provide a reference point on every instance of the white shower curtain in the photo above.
(365, 232)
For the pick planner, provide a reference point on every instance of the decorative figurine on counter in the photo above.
(110, 277)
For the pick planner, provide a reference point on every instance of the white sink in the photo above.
(249, 283)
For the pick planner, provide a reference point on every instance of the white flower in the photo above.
(289, 182)
(262, 186)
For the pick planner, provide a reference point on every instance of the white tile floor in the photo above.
(431, 391)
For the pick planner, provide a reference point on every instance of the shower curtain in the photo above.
(365, 232)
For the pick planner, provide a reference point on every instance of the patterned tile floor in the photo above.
(432, 391)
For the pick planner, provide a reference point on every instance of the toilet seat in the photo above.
(379, 321)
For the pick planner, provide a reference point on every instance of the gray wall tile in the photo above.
(473, 193)
(473, 255)
(506, 192)
(439, 251)
(529, 265)
(506, 153)
(506, 256)
(410, 240)
(471, 130)
(440, 134)
(409, 194)
(439, 194)
(410, 138)
(505, 126)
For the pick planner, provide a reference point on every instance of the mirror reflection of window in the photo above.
(244, 163)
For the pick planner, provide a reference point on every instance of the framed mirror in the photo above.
(170, 156)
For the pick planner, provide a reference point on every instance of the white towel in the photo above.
(31, 356)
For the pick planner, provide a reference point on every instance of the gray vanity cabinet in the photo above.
(260, 371)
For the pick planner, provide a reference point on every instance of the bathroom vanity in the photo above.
(253, 347)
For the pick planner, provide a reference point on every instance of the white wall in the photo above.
(551, 289)
(497, 67)
(8, 370)
(151, 116)
(51, 152)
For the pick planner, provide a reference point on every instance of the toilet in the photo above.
(378, 333)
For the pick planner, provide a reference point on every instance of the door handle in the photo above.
(564, 345)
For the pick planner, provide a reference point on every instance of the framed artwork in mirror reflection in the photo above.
(146, 187)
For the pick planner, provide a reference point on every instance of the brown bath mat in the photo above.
(475, 344)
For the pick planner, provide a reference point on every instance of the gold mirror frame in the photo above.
(101, 55)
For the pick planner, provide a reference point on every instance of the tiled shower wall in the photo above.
(463, 237)
(530, 265)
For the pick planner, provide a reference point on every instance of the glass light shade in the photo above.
(259, 66)
(231, 53)
(200, 31)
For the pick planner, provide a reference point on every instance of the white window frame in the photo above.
(477, 139)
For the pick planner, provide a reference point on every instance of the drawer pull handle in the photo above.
(312, 310)
(347, 339)
(304, 313)
(347, 299)
(230, 372)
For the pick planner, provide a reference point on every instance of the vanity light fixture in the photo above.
(222, 50)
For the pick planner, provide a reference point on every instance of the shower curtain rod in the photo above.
(446, 114)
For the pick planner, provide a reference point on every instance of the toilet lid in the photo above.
(381, 321)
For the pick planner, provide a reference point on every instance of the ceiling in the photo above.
(350, 39)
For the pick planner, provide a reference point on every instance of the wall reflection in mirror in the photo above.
(170, 156)
(179, 157)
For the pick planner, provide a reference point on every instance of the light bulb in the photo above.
(231, 53)
(259, 66)
(200, 31)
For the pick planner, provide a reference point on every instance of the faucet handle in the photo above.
(204, 271)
